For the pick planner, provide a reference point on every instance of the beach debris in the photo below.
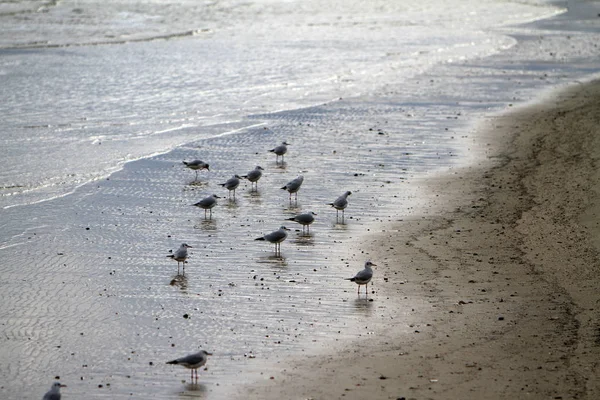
(192, 361)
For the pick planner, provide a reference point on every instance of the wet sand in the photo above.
(492, 293)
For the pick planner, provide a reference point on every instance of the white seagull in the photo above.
(208, 203)
(254, 175)
(340, 204)
(196, 165)
(54, 392)
(363, 277)
(305, 219)
(180, 256)
(293, 186)
(192, 361)
(232, 184)
(276, 237)
(280, 151)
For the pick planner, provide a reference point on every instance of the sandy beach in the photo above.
(494, 294)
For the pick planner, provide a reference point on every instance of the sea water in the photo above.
(101, 102)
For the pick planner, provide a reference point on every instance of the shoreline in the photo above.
(486, 305)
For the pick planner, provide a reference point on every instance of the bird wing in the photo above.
(276, 236)
(363, 275)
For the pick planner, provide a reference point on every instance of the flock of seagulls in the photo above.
(363, 277)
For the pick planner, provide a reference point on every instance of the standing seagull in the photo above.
(207, 203)
(254, 175)
(293, 186)
(276, 237)
(232, 184)
(340, 204)
(54, 392)
(305, 219)
(196, 165)
(192, 361)
(180, 256)
(280, 151)
(363, 277)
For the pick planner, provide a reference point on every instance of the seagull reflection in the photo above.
(207, 225)
(304, 239)
(363, 305)
(180, 281)
(199, 390)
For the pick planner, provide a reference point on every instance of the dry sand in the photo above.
(492, 295)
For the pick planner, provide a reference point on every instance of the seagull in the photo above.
(196, 165)
(276, 237)
(363, 277)
(340, 204)
(54, 392)
(254, 175)
(232, 184)
(293, 186)
(180, 256)
(305, 219)
(208, 203)
(192, 361)
(280, 151)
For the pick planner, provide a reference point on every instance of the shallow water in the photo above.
(88, 293)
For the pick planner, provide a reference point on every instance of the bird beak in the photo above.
(63, 385)
(210, 354)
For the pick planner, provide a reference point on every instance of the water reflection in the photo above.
(207, 225)
(232, 203)
(364, 305)
(197, 183)
(339, 226)
(274, 259)
(304, 239)
(180, 281)
(254, 197)
(194, 390)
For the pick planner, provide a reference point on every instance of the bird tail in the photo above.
(284, 188)
(260, 238)
(350, 279)
(330, 204)
(185, 163)
(245, 176)
(290, 219)
(171, 256)
(272, 150)
(173, 362)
